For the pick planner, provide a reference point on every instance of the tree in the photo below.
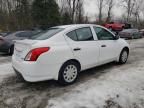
(66, 19)
(137, 11)
(23, 14)
(5, 6)
(110, 5)
(129, 5)
(15, 14)
(72, 7)
(79, 12)
(45, 13)
(134, 11)
(100, 4)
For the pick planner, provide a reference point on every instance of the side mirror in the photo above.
(116, 37)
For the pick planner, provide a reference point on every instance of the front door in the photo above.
(83, 46)
(108, 45)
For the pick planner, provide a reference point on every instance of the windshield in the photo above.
(46, 34)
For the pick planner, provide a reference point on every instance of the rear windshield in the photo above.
(46, 34)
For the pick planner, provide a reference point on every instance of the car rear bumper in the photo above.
(34, 72)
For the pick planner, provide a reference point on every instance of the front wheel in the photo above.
(68, 73)
(123, 56)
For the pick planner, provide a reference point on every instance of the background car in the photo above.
(142, 32)
(127, 26)
(7, 42)
(115, 26)
(61, 52)
(130, 34)
(3, 34)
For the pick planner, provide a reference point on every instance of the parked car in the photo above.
(7, 42)
(127, 26)
(142, 32)
(130, 34)
(1, 38)
(3, 34)
(115, 26)
(61, 52)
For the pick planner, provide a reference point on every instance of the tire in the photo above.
(11, 51)
(123, 56)
(69, 73)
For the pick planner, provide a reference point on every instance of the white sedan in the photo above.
(61, 52)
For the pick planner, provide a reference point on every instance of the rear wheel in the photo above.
(69, 73)
(123, 56)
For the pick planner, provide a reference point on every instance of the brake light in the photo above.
(35, 53)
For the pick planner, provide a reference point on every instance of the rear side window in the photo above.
(82, 34)
(72, 35)
(47, 34)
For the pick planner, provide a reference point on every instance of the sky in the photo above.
(90, 7)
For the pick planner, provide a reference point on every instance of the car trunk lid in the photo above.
(22, 47)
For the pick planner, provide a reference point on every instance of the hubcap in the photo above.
(70, 73)
(124, 56)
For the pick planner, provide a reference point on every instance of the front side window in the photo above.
(82, 34)
(103, 34)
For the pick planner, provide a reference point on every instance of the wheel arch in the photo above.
(60, 79)
(74, 60)
(119, 59)
(126, 48)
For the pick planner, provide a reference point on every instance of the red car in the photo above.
(115, 26)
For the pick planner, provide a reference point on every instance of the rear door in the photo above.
(109, 48)
(83, 46)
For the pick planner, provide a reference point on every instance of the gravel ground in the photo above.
(107, 86)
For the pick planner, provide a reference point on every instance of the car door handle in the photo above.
(103, 46)
(77, 49)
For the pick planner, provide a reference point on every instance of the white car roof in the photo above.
(74, 25)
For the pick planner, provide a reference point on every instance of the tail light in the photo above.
(35, 53)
